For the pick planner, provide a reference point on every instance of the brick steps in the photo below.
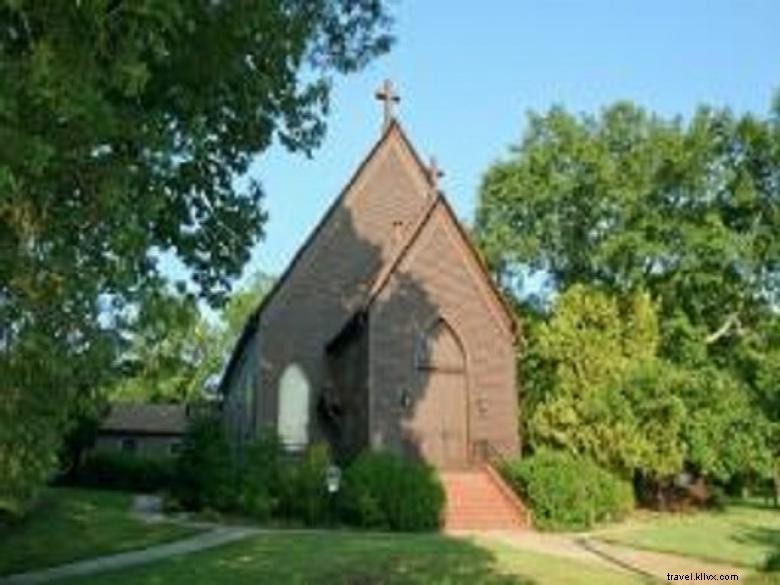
(478, 499)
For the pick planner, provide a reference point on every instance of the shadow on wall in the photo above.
(406, 417)
(320, 326)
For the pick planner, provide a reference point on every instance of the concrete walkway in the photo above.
(584, 548)
(211, 539)
(658, 564)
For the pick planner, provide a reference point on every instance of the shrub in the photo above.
(124, 471)
(262, 477)
(305, 496)
(206, 476)
(569, 492)
(773, 563)
(383, 491)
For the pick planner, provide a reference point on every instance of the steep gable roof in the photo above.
(390, 267)
(393, 130)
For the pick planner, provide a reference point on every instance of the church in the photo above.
(386, 331)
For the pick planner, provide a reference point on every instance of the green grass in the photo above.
(740, 534)
(337, 558)
(71, 524)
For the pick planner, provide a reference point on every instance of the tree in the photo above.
(605, 393)
(627, 201)
(169, 343)
(124, 130)
(176, 353)
(601, 389)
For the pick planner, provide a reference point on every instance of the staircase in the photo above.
(479, 499)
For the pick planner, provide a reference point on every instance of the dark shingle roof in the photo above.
(164, 419)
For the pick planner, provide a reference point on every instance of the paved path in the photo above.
(586, 549)
(211, 539)
(656, 563)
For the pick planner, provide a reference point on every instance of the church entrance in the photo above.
(440, 421)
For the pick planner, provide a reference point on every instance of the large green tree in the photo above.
(125, 127)
(597, 386)
(176, 351)
(628, 201)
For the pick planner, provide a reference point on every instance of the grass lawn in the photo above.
(71, 524)
(361, 559)
(742, 534)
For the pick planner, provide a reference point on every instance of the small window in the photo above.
(293, 415)
(128, 445)
(174, 448)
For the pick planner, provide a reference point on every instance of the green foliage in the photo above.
(304, 495)
(604, 394)
(626, 201)
(168, 350)
(205, 471)
(726, 435)
(125, 472)
(773, 563)
(257, 479)
(175, 353)
(385, 492)
(262, 477)
(568, 492)
(126, 132)
(38, 392)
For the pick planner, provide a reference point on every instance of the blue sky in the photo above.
(469, 71)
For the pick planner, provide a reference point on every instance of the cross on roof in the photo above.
(388, 95)
(434, 173)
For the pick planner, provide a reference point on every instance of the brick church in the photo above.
(386, 331)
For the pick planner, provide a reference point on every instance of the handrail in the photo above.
(483, 451)
(495, 463)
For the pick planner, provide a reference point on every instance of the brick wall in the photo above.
(439, 277)
(330, 278)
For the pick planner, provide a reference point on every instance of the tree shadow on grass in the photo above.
(326, 558)
(429, 561)
(762, 536)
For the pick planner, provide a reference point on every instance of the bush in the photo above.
(262, 478)
(305, 495)
(206, 476)
(568, 492)
(124, 471)
(773, 563)
(383, 491)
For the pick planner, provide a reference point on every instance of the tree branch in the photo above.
(732, 322)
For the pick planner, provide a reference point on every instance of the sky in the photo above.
(468, 72)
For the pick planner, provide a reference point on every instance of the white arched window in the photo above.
(293, 422)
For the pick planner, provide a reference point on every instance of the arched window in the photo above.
(440, 349)
(293, 422)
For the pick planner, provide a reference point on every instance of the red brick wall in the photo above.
(439, 277)
(333, 273)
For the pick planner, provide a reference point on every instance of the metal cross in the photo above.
(388, 95)
(434, 173)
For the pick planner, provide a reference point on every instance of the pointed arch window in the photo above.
(439, 348)
(293, 414)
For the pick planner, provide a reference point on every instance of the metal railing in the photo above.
(483, 451)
